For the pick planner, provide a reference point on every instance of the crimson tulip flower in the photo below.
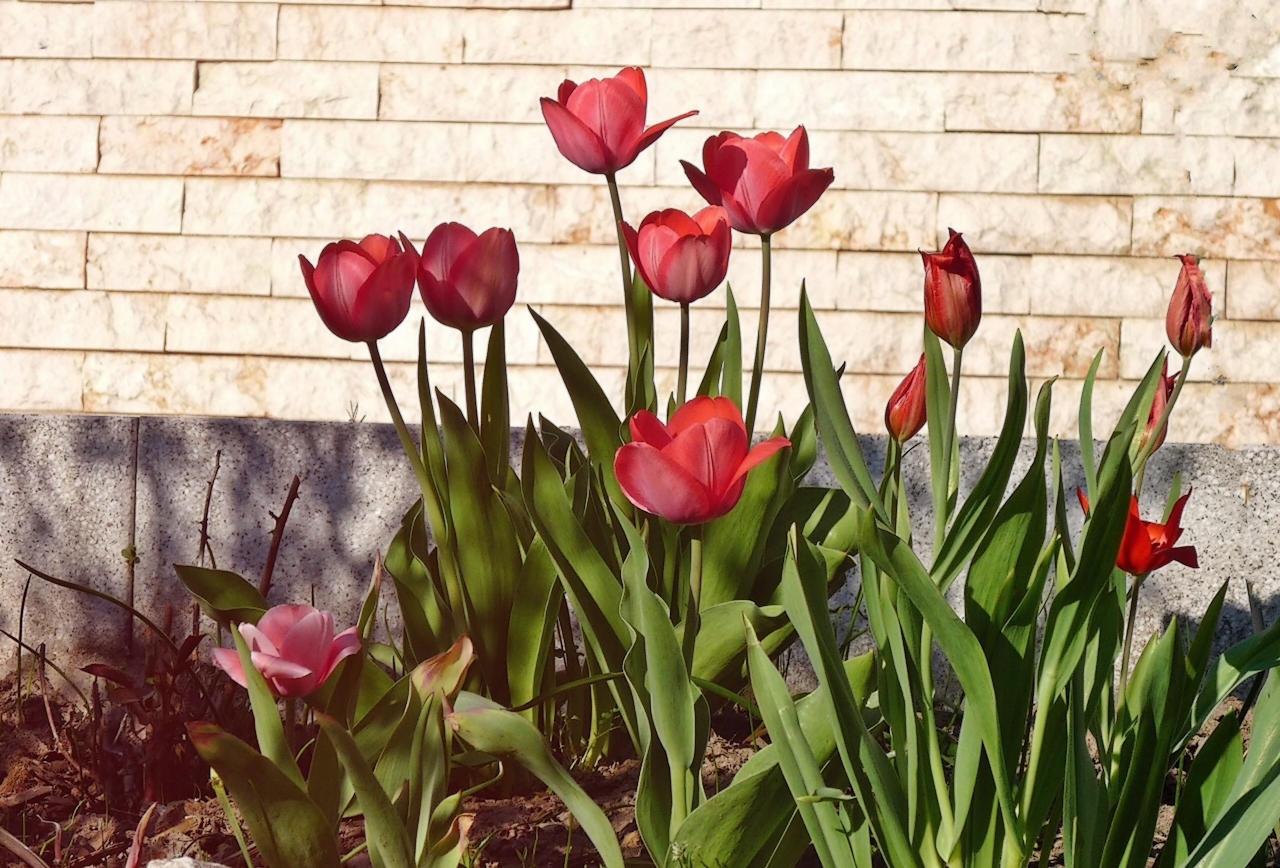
(1164, 391)
(1147, 545)
(1189, 322)
(952, 292)
(694, 468)
(904, 415)
(681, 258)
(468, 281)
(293, 647)
(599, 125)
(764, 183)
(362, 291)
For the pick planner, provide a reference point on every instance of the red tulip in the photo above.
(362, 291)
(468, 281)
(599, 125)
(1147, 545)
(1190, 318)
(764, 183)
(904, 415)
(694, 468)
(952, 292)
(1164, 391)
(681, 258)
(293, 647)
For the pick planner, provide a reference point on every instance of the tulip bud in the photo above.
(952, 292)
(1190, 318)
(681, 258)
(468, 281)
(904, 415)
(1164, 391)
(362, 291)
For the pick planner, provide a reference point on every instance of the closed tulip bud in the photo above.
(952, 292)
(1164, 391)
(468, 281)
(362, 291)
(681, 258)
(904, 415)
(599, 125)
(1190, 318)
(293, 647)
(763, 183)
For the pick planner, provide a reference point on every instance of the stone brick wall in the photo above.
(162, 164)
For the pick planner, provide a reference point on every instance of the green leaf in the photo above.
(266, 715)
(1255, 654)
(495, 407)
(492, 729)
(720, 653)
(532, 628)
(224, 596)
(287, 827)
(1209, 781)
(709, 385)
(937, 406)
(428, 624)
(385, 831)
(731, 376)
(1086, 428)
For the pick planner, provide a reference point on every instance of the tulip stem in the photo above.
(1128, 637)
(949, 444)
(636, 304)
(397, 420)
(469, 377)
(762, 330)
(1157, 433)
(683, 381)
(691, 615)
(290, 722)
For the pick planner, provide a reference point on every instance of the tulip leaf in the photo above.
(266, 715)
(709, 385)
(720, 653)
(490, 728)
(731, 374)
(1209, 782)
(224, 596)
(495, 407)
(287, 827)
(1255, 654)
(1085, 428)
(426, 616)
(937, 406)
(385, 831)
(532, 627)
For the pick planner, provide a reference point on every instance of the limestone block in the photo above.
(723, 98)
(492, 93)
(48, 144)
(746, 39)
(1236, 228)
(168, 383)
(44, 260)
(1021, 102)
(391, 33)
(972, 41)
(849, 100)
(80, 319)
(668, 4)
(1056, 346)
(93, 202)
(251, 325)
(41, 380)
(1118, 165)
(1253, 290)
(1112, 286)
(597, 36)
(960, 162)
(383, 150)
(330, 390)
(286, 271)
(287, 89)
(527, 154)
(174, 29)
(1235, 415)
(856, 4)
(569, 274)
(488, 4)
(895, 282)
(1243, 351)
(1257, 167)
(1037, 224)
(74, 528)
(857, 220)
(44, 30)
(816, 268)
(1232, 107)
(329, 210)
(190, 146)
(93, 87)
(179, 263)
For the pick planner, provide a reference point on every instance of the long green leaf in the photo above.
(385, 830)
(224, 596)
(495, 407)
(1212, 775)
(731, 377)
(1085, 428)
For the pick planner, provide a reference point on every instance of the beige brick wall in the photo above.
(163, 163)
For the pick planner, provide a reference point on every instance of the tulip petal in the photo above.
(307, 644)
(795, 150)
(702, 409)
(443, 247)
(645, 428)
(276, 623)
(658, 485)
(794, 197)
(343, 646)
(565, 91)
(485, 276)
(653, 133)
(691, 269)
(709, 219)
(633, 77)
(675, 220)
(273, 667)
(576, 142)
(614, 112)
(228, 660)
(706, 189)
(710, 452)
(383, 302)
(1185, 555)
(257, 640)
(761, 453)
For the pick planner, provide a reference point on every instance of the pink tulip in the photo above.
(468, 281)
(362, 291)
(599, 125)
(681, 258)
(1189, 321)
(293, 647)
(764, 183)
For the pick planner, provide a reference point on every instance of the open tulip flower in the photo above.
(681, 258)
(694, 468)
(952, 292)
(1189, 322)
(468, 281)
(764, 183)
(362, 291)
(599, 125)
(293, 647)
(1147, 545)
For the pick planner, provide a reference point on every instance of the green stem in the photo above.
(469, 377)
(693, 608)
(290, 724)
(683, 380)
(632, 302)
(953, 404)
(1149, 446)
(1128, 636)
(406, 440)
(762, 331)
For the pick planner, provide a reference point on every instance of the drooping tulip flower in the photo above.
(1164, 391)
(764, 183)
(1147, 545)
(681, 258)
(952, 292)
(293, 647)
(362, 291)
(1190, 318)
(694, 468)
(468, 281)
(904, 415)
(599, 125)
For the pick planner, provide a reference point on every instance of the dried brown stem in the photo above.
(264, 586)
(204, 518)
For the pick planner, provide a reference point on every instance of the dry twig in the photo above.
(277, 535)
(204, 518)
